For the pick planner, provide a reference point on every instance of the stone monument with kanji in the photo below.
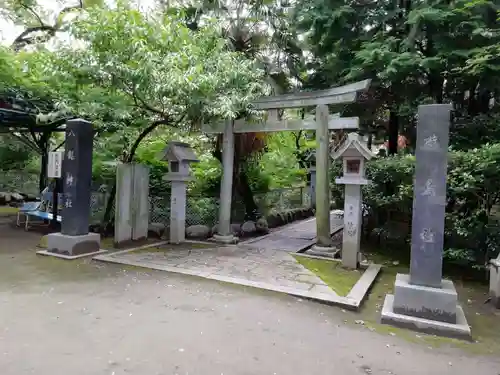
(74, 238)
(422, 299)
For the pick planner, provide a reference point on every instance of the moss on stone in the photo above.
(331, 272)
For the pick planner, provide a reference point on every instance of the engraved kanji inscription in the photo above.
(431, 142)
(427, 235)
(68, 203)
(70, 154)
(351, 229)
(69, 179)
(429, 188)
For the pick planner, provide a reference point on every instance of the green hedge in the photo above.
(472, 234)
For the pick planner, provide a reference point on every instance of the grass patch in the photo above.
(331, 272)
(7, 210)
(43, 242)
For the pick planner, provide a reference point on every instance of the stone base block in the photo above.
(438, 304)
(495, 282)
(73, 245)
(226, 240)
(460, 329)
(323, 249)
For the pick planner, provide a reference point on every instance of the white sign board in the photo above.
(54, 167)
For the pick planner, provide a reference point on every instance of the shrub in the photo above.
(472, 234)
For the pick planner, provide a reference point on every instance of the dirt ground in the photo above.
(82, 318)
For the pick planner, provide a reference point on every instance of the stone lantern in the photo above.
(354, 154)
(179, 156)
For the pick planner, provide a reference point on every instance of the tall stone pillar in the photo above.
(495, 282)
(140, 203)
(123, 206)
(422, 299)
(323, 239)
(131, 203)
(224, 234)
(75, 238)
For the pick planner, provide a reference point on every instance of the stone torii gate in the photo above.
(322, 124)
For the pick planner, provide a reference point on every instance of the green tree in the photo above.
(414, 51)
(41, 24)
(28, 113)
(163, 73)
(261, 31)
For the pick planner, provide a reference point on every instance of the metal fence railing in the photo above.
(19, 182)
(283, 199)
(199, 209)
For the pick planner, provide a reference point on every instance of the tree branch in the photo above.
(21, 137)
(67, 10)
(148, 130)
(29, 9)
(59, 145)
(18, 42)
(146, 105)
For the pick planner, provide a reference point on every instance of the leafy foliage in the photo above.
(162, 68)
(473, 198)
(415, 52)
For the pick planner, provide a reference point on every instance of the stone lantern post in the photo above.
(179, 156)
(354, 154)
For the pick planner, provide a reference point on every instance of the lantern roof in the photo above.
(179, 152)
(353, 146)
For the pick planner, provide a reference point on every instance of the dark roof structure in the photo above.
(19, 111)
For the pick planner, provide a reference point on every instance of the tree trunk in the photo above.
(242, 187)
(393, 133)
(241, 184)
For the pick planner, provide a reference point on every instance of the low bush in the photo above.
(472, 232)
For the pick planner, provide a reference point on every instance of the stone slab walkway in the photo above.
(263, 268)
(296, 236)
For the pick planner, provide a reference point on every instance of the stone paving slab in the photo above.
(268, 269)
(295, 237)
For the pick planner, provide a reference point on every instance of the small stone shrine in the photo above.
(423, 300)
(354, 153)
(75, 238)
(179, 156)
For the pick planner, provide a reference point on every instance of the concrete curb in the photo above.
(70, 257)
(353, 300)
